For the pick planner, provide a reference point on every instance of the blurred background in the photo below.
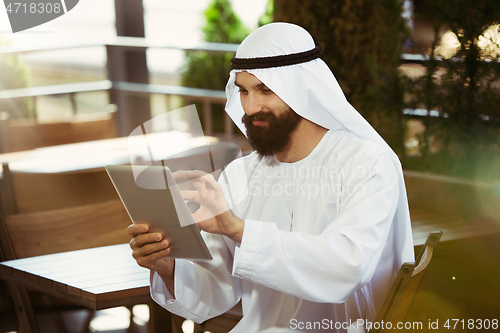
(425, 74)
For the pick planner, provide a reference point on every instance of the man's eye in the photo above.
(266, 90)
(242, 91)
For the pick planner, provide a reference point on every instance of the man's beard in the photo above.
(273, 137)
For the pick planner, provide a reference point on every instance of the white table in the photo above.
(99, 153)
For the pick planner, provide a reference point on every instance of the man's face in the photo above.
(269, 121)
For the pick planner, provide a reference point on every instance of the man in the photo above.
(322, 226)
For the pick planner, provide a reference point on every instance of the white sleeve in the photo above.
(326, 268)
(203, 289)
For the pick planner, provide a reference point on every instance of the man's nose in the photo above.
(253, 104)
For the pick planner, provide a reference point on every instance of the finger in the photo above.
(179, 174)
(143, 239)
(213, 184)
(206, 182)
(157, 255)
(207, 179)
(149, 261)
(137, 228)
(149, 249)
(204, 191)
(189, 195)
(204, 178)
(193, 174)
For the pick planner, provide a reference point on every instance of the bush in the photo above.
(463, 88)
(361, 42)
(211, 70)
(14, 76)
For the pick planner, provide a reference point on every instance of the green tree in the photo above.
(211, 70)
(362, 43)
(462, 87)
(267, 17)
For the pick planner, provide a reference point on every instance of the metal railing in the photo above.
(206, 96)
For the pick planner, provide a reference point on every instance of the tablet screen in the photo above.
(160, 205)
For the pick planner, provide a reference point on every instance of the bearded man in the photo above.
(323, 226)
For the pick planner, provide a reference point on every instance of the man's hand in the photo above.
(149, 250)
(214, 215)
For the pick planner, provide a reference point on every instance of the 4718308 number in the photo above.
(462, 324)
(19, 7)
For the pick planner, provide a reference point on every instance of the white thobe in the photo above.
(317, 252)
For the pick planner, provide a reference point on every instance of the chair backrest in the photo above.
(60, 230)
(405, 286)
(23, 134)
(24, 192)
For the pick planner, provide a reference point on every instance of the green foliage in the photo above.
(14, 75)
(267, 17)
(211, 70)
(464, 88)
(361, 42)
(222, 24)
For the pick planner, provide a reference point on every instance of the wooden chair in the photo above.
(25, 134)
(25, 192)
(61, 230)
(39, 233)
(393, 310)
(405, 286)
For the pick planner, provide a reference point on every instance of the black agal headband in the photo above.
(277, 61)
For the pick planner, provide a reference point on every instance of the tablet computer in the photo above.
(150, 195)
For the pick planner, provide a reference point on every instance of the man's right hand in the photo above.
(149, 251)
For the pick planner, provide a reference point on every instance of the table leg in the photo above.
(160, 320)
(26, 317)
